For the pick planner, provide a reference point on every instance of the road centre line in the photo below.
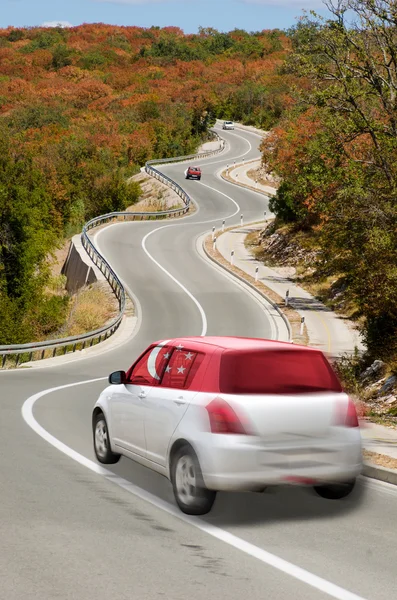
(265, 557)
(216, 161)
(150, 233)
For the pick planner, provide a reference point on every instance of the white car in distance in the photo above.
(231, 414)
(228, 125)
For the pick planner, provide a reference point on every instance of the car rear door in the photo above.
(167, 403)
(291, 399)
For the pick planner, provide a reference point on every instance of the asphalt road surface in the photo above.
(73, 530)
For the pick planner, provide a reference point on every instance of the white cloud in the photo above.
(56, 24)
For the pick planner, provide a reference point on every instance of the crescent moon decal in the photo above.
(151, 361)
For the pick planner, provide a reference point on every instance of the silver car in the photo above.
(226, 414)
(228, 125)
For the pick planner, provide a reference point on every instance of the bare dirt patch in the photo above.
(381, 460)
(156, 196)
(262, 177)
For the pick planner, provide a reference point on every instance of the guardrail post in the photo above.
(54, 352)
(3, 362)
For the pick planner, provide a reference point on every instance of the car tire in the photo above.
(190, 493)
(335, 491)
(199, 178)
(101, 441)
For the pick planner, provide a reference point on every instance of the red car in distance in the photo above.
(193, 173)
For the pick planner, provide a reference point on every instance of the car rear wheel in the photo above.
(191, 495)
(335, 491)
(102, 443)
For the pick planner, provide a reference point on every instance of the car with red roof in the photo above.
(193, 173)
(231, 414)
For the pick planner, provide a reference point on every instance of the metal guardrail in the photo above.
(20, 353)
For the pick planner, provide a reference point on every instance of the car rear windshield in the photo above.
(195, 169)
(276, 372)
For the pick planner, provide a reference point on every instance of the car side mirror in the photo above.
(118, 377)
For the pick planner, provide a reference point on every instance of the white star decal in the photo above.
(189, 356)
(168, 369)
(179, 347)
(181, 369)
(167, 355)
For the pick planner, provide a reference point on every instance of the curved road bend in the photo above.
(67, 532)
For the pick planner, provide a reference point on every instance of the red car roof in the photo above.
(238, 343)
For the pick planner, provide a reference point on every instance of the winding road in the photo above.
(71, 529)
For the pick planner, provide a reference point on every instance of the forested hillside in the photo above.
(82, 109)
(336, 152)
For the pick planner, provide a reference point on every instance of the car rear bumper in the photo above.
(241, 466)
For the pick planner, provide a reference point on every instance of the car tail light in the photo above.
(223, 418)
(347, 418)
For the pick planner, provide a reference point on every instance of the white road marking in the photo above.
(267, 558)
(265, 306)
(143, 244)
(200, 160)
(193, 298)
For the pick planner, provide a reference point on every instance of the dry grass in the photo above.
(292, 316)
(156, 196)
(92, 307)
(380, 459)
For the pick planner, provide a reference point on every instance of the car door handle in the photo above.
(180, 401)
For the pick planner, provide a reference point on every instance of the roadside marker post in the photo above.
(223, 225)
(232, 258)
(242, 220)
(287, 298)
(256, 273)
(214, 244)
(213, 232)
(302, 325)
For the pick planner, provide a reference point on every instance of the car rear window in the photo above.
(276, 372)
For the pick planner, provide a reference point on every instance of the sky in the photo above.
(224, 15)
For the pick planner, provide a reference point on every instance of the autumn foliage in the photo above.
(336, 151)
(81, 109)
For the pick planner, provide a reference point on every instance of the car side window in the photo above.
(181, 369)
(150, 368)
